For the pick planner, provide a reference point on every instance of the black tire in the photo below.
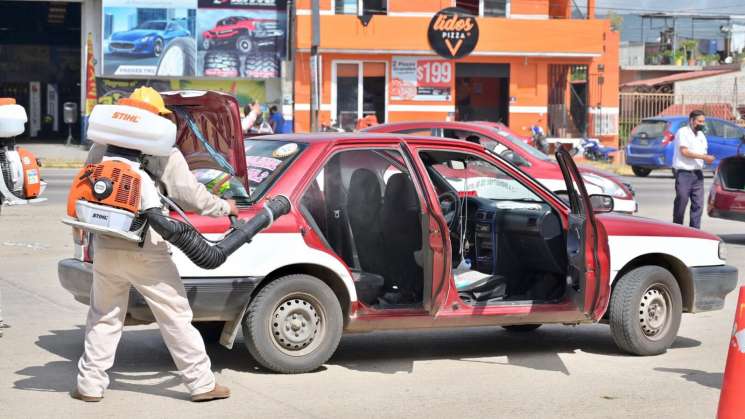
(157, 47)
(522, 328)
(300, 299)
(261, 66)
(210, 331)
(188, 49)
(222, 64)
(645, 311)
(641, 171)
(244, 44)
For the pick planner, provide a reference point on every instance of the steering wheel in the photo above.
(450, 205)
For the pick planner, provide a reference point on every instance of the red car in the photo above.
(727, 195)
(514, 148)
(378, 238)
(244, 32)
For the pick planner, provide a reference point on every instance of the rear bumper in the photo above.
(647, 160)
(210, 298)
(727, 215)
(711, 284)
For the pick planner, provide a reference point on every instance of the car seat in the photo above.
(402, 237)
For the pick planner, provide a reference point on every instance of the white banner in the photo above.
(34, 108)
(53, 105)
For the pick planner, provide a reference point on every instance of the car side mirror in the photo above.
(601, 203)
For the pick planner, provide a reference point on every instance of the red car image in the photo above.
(245, 33)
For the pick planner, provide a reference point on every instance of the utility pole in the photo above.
(315, 28)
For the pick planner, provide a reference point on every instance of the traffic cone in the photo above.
(732, 398)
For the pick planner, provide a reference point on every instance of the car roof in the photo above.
(436, 124)
(362, 137)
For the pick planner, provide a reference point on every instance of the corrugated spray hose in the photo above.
(199, 250)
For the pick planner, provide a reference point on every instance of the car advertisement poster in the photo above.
(149, 38)
(241, 38)
(110, 90)
(421, 78)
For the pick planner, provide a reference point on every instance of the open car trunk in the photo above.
(216, 117)
(732, 173)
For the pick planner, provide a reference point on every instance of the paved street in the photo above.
(555, 372)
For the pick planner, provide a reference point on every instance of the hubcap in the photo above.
(297, 325)
(654, 311)
(158, 48)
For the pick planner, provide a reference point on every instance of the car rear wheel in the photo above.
(641, 171)
(293, 325)
(521, 328)
(645, 311)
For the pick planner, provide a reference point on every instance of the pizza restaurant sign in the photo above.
(453, 33)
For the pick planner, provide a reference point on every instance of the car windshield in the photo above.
(156, 25)
(651, 128)
(266, 160)
(518, 143)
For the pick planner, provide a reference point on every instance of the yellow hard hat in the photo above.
(151, 97)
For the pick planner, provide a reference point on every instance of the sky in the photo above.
(704, 7)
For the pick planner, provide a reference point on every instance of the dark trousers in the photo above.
(689, 184)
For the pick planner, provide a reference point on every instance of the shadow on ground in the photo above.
(707, 379)
(142, 355)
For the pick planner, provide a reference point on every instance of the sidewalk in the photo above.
(56, 155)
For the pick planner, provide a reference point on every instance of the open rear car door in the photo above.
(587, 245)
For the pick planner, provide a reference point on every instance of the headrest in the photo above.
(12, 118)
(133, 128)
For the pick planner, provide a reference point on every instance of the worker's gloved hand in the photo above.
(233, 207)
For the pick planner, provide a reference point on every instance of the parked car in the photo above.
(378, 239)
(245, 33)
(727, 193)
(650, 142)
(147, 38)
(534, 162)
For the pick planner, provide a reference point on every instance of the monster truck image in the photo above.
(245, 33)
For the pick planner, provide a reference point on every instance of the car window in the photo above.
(650, 128)
(265, 163)
(714, 128)
(419, 131)
(471, 175)
(731, 131)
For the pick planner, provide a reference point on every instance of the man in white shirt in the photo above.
(252, 112)
(689, 156)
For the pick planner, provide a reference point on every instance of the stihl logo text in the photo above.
(126, 117)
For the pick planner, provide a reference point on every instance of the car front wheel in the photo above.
(641, 171)
(645, 311)
(293, 325)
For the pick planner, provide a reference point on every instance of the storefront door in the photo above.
(482, 92)
(359, 90)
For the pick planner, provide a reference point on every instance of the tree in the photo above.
(616, 21)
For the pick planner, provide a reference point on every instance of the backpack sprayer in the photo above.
(20, 179)
(118, 198)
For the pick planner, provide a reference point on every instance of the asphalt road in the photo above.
(555, 372)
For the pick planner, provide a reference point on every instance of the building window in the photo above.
(488, 8)
(361, 7)
(360, 92)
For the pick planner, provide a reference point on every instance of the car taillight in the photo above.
(667, 136)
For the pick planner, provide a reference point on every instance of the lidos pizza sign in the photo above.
(453, 33)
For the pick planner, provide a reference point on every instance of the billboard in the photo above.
(421, 78)
(194, 38)
(241, 41)
(149, 38)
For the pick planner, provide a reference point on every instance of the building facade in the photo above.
(533, 63)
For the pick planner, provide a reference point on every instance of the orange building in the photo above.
(532, 63)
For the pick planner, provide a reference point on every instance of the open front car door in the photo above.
(587, 245)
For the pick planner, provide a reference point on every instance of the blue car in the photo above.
(148, 38)
(650, 144)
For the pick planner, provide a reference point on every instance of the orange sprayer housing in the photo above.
(31, 174)
(125, 182)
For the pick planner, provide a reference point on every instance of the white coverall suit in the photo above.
(119, 264)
